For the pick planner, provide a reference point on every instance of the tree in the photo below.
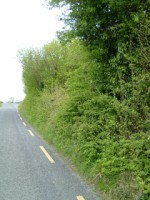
(116, 34)
(104, 118)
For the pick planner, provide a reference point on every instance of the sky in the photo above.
(23, 24)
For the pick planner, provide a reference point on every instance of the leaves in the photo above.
(92, 93)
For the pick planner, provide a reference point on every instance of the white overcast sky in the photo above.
(23, 24)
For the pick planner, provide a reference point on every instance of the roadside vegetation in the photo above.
(88, 94)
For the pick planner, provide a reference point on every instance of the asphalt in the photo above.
(25, 171)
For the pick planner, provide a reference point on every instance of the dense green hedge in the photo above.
(90, 97)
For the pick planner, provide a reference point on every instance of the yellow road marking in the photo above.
(47, 155)
(24, 124)
(31, 133)
(80, 198)
(21, 118)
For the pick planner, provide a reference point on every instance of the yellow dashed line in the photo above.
(24, 124)
(31, 133)
(47, 155)
(80, 198)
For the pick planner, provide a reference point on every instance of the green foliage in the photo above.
(49, 67)
(1, 103)
(92, 97)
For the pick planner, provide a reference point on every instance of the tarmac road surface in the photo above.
(30, 169)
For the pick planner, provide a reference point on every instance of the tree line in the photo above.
(89, 90)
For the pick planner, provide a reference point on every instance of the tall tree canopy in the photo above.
(94, 91)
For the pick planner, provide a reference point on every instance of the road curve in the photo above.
(30, 169)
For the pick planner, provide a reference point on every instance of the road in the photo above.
(30, 169)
